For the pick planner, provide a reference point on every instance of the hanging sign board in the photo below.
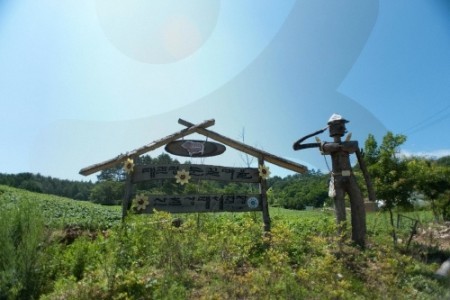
(196, 172)
(203, 203)
(194, 148)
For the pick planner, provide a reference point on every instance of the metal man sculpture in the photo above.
(342, 178)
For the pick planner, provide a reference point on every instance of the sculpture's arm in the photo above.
(297, 145)
(304, 146)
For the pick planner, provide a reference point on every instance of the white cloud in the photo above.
(428, 154)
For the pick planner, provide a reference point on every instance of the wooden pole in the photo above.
(127, 197)
(264, 202)
(290, 165)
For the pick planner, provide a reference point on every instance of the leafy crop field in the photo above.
(208, 256)
(60, 212)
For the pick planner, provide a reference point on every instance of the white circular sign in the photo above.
(252, 202)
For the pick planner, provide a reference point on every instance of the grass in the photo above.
(210, 256)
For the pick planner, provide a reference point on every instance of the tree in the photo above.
(31, 185)
(432, 180)
(299, 191)
(389, 172)
(107, 192)
(116, 173)
(444, 161)
(371, 150)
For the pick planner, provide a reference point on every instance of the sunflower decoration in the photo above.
(264, 171)
(128, 165)
(182, 177)
(140, 202)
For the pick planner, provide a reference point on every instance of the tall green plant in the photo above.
(21, 237)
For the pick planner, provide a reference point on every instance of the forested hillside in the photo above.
(38, 183)
(398, 179)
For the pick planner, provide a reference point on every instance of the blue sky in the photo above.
(83, 81)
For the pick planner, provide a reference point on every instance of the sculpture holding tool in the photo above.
(342, 178)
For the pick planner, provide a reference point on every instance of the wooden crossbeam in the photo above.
(144, 149)
(265, 156)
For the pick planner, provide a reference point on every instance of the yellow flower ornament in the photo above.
(264, 171)
(141, 202)
(128, 165)
(182, 177)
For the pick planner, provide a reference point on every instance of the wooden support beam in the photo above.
(127, 197)
(154, 145)
(284, 163)
(264, 201)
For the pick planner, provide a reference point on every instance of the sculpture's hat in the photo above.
(336, 118)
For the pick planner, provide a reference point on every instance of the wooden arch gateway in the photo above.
(199, 203)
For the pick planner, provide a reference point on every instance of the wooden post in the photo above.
(265, 203)
(127, 197)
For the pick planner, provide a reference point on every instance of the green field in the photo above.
(210, 256)
(60, 212)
